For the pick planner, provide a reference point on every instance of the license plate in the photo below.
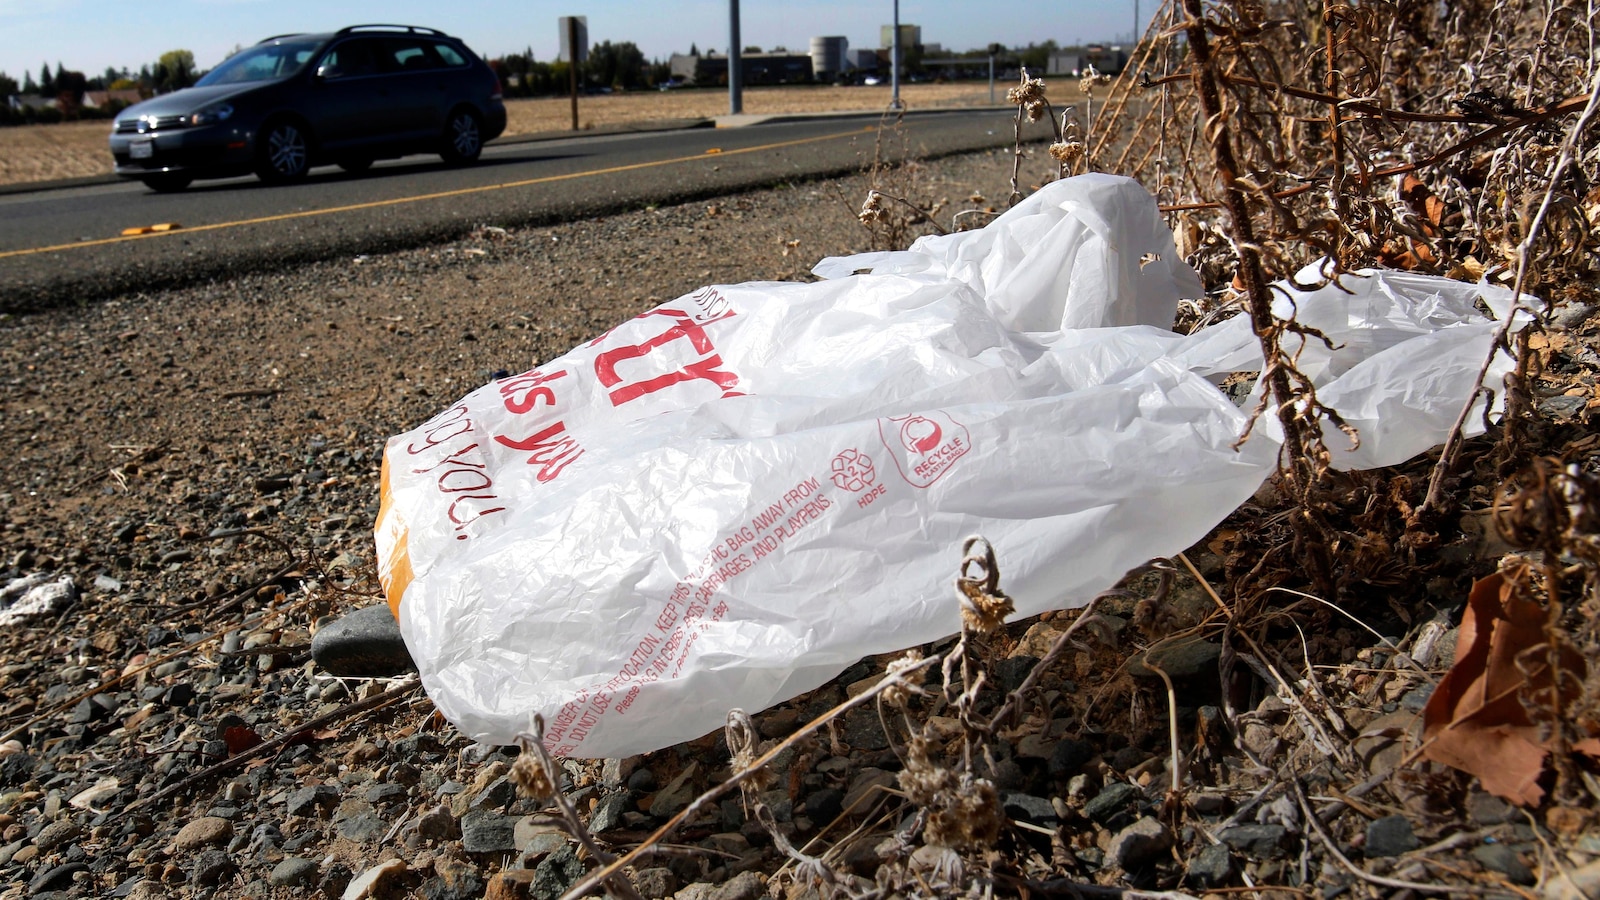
(141, 149)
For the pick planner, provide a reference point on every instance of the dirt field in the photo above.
(76, 149)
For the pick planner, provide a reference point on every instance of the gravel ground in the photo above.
(203, 465)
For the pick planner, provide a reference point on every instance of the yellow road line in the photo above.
(699, 157)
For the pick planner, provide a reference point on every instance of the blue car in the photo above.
(294, 101)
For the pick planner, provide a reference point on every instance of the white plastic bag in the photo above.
(729, 499)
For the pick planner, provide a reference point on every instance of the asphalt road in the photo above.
(69, 245)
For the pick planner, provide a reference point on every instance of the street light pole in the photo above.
(735, 62)
(894, 61)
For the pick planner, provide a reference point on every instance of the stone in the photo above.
(744, 886)
(1255, 841)
(556, 875)
(1027, 808)
(204, 831)
(608, 812)
(1211, 867)
(57, 834)
(1487, 809)
(537, 837)
(312, 800)
(363, 827)
(373, 881)
(1012, 671)
(293, 871)
(57, 878)
(1182, 660)
(1575, 884)
(824, 805)
(675, 796)
(655, 883)
(1390, 836)
(1069, 756)
(862, 729)
(362, 644)
(1501, 858)
(438, 824)
(511, 884)
(642, 781)
(1140, 844)
(454, 879)
(210, 868)
(483, 831)
(1116, 797)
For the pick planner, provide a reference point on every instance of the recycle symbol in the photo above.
(852, 470)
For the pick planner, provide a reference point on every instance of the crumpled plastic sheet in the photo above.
(726, 501)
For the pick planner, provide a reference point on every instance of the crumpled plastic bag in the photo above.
(730, 498)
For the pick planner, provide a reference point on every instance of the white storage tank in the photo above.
(827, 57)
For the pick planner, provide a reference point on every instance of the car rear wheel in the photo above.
(167, 182)
(283, 152)
(463, 138)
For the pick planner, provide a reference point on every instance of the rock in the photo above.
(363, 826)
(1501, 858)
(1013, 670)
(1563, 406)
(1390, 836)
(204, 831)
(1128, 757)
(537, 837)
(824, 805)
(1211, 867)
(1255, 841)
(1487, 809)
(1116, 797)
(312, 800)
(454, 879)
(1182, 660)
(675, 796)
(293, 872)
(558, 873)
(862, 729)
(57, 834)
(744, 886)
(1069, 756)
(57, 878)
(210, 868)
(608, 812)
(1140, 844)
(483, 831)
(656, 882)
(1571, 316)
(1027, 808)
(1575, 884)
(438, 824)
(362, 644)
(511, 884)
(374, 881)
(642, 781)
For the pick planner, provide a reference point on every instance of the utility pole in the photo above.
(894, 61)
(994, 50)
(572, 66)
(735, 62)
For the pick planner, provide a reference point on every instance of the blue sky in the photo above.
(90, 35)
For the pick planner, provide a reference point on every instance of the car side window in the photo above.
(410, 54)
(450, 55)
(349, 60)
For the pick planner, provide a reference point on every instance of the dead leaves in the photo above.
(1478, 719)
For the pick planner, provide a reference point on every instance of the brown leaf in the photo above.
(1475, 720)
(240, 738)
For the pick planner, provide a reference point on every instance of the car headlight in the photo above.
(210, 115)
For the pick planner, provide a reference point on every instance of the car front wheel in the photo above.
(283, 152)
(463, 138)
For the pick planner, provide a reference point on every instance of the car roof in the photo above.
(325, 36)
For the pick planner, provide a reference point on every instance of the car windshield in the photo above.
(263, 62)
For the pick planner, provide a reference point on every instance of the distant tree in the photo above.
(8, 85)
(618, 65)
(174, 71)
(659, 73)
(694, 49)
(1037, 56)
(28, 87)
(47, 82)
